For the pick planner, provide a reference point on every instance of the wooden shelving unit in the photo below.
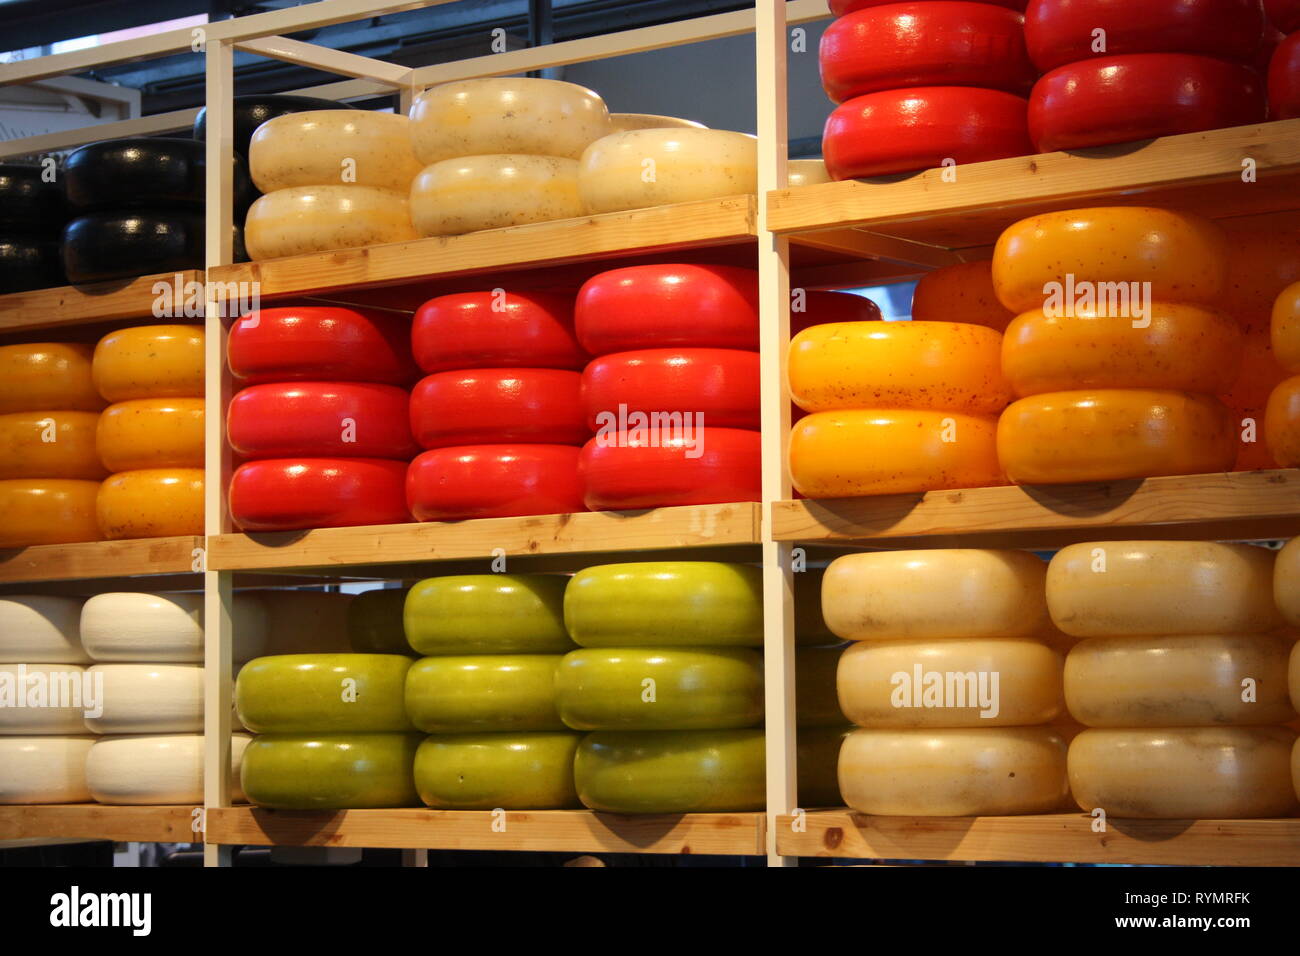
(96, 821)
(101, 559)
(65, 306)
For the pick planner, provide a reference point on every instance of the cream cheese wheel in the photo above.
(623, 122)
(41, 627)
(305, 622)
(333, 148)
(953, 773)
(155, 770)
(1286, 582)
(44, 699)
(164, 628)
(470, 193)
(1196, 773)
(506, 115)
(44, 769)
(305, 219)
(806, 172)
(935, 595)
(149, 699)
(654, 167)
(1152, 588)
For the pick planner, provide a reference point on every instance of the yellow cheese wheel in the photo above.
(462, 195)
(937, 366)
(654, 167)
(47, 375)
(935, 595)
(1282, 423)
(1182, 255)
(151, 433)
(306, 219)
(1062, 438)
(892, 451)
(1192, 773)
(1286, 582)
(1285, 328)
(1181, 347)
(806, 172)
(49, 445)
(960, 293)
(44, 769)
(332, 148)
(621, 122)
(47, 511)
(151, 503)
(953, 773)
(150, 361)
(1161, 588)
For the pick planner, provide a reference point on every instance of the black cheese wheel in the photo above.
(29, 263)
(30, 206)
(252, 111)
(116, 245)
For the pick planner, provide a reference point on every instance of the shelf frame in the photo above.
(101, 559)
(98, 821)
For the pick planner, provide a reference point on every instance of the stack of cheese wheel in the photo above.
(952, 680)
(500, 151)
(673, 394)
(1284, 78)
(1282, 420)
(1181, 678)
(32, 213)
(923, 85)
(151, 435)
(332, 179)
(669, 682)
(1117, 350)
(1286, 594)
(486, 692)
(49, 470)
(1163, 67)
(499, 412)
(960, 293)
(321, 419)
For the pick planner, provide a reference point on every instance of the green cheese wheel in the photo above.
(330, 771)
(323, 693)
(483, 693)
(375, 622)
(497, 771)
(818, 753)
(817, 702)
(488, 614)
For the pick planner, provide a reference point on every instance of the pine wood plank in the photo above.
(99, 559)
(95, 821)
(97, 302)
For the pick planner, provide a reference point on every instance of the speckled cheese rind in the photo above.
(306, 219)
(623, 122)
(333, 148)
(654, 167)
(155, 770)
(489, 192)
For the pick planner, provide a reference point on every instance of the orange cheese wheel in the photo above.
(49, 445)
(1293, 680)
(150, 361)
(1247, 399)
(152, 433)
(1263, 259)
(1286, 584)
(47, 375)
(47, 511)
(960, 293)
(940, 366)
(892, 451)
(1282, 423)
(151, 503)
(1182, 255)
(1285, 329)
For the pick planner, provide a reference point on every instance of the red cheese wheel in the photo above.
(320, 420)
(898, 131)
(1284, 80)
(720, 384)
(925, 44)
(1119, 99)
(496, 329)
(1283, 14)
(499, 406)
(665, 306)
(321, 343)
(288, 494)
(1273, 38)
(817, 307)
(843, 7)
(626, 470)
(494, 481)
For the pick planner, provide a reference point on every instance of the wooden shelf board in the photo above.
(95, 821)
(97, 302)
(99, 559)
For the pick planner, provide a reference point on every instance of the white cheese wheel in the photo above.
(935, 595)
(41, 627)
(292, 222)
(305, 622)
(1002, 682)
(29, 694)
(622, 122)
(953, 773)
(470, 193)
(155, 770)
(150, 699)
(807, 172)
(164, 628)
(333, 148)
(1151, 588)
(654, 167)
(1286, 581)
(44, 769)
(506, 115)
(1186, 773)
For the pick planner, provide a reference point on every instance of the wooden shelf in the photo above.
(1049, 838)
(99, 559)
(97, 302)
(95, 821)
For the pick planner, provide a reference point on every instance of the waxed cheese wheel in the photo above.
(149, 699)
(306, 219)
(151, 503)
(488, 614)
(622, 122)
(506, 115)
(671, 771)
(816, 702)
(156, 770)
(131, 626)
(964, 772)
(505, 771)
(722, 385)
(660, 688)
(46, 699)
(326, 693)
(47, 375)
(49, 511)
(287, 494)
(658, 464)
(1194, 773)
(1247, 400)
(112, 245)
(44, 769)
(496, 329)
(654, 167)
(665, 603)
(494, 481)
(962, 292)
(1284, 79)
(41, 627)
(151, 433)
(1187, 681)
(499, 405)
(330, 771)
(33, 200)
(484, 694)
(30, 263)
(374, 622)
(1285, 328)
(462, 195)
(53, 444)
(150, 361)
(302, 622)
(806, 172)
(1286, 582)
(333, 147)
(321, 344)
(320, 420)
(1154, 588)
(1282, 423)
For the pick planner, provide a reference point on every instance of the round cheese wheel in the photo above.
(149, 699)
(892, 451)
(321, 343)
(806, 172)
(1294, 680)
(326, 693)
(722, 385)
(49, 511)
(41, 627)
(306, 219)
(960, 293)
(330, 771)
(47, 375)
(55, 444)
(1161, 588)
(819, 307)
(148, 172)
(288, 494)
(816, 702)
(306, 622)
(506, 115)
(496, 329)
(332, 147)
(655, 167)
(649, 467)
(1283, 14)
(320, 420)
(462, 195)
(375, 622)
(30, 263)
(953, 773)
(1284, 80)
(665, 604)
(129, 626)
(484, 694)
(45, 698)
(31, 204)
(818, 753)
(1285, 328)
(151, 433)
(1263, 259)
(251, 111)
(494, 481)
(1286, 582)
(1212, 773)
(150, 361)
(502, 771)
(151, 503)
(1247, 399)
(671, 771)
(842, 8)
(44, 769)
(499, 406)
(103, 246)
(1282, 423)
(156, 770)
(622, 122)
(488, 614)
